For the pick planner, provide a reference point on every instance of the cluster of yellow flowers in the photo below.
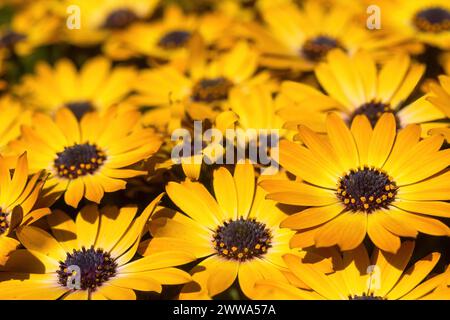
(94, 205)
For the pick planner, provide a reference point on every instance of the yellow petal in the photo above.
(301, 162)
(137, 281)
(312, 217)
(346, 230)
(296, 193)
(222, 276)
(342, 141)
(316, 280)
(19, 178)
(157, 260)
(244, 180)
(433, 208)
(74, 192)
(113, 224)
(362, 132)
(68, 124)
(225, 192)
(135, 230)
(64, 230)
(382, 140)
(194, 206)
(87, 223)
(94, 191)
(381, 237)
(116, 293)
(414, 275)
(36, 239)
(391, 266)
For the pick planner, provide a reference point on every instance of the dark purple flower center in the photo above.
(211, 89)
(95, 266)
(174, 39)
(10, 38)
(433, 19)
(366, 190)
(79, 160)
(316, 49)
(4, 224)
(242, 239)
(373, 111)
(120, 19)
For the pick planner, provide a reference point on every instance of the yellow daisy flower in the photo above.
(102, 18)
(201, 91)
(18, 198)
(166, 39)
(358, 277)
(355, 86)
(236, 232)
(97, 86)
(363, 181)
(33, 25)
(100, 245)
(298, 38)
(425, 20)
(89, 157)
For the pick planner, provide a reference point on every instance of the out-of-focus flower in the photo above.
(89, 157)
(96, 86)
(299, 38)
(167, 39)
(237, 231)
(424, 20)
(252, 118)
(355, 86)
(358, 277)
(101, 243)
(363, 181)
(202, 91)
(34, 25)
